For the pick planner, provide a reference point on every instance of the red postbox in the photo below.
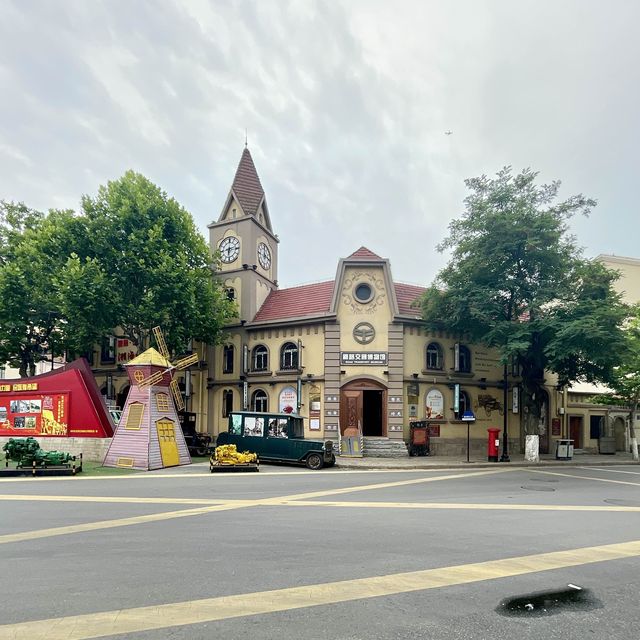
(493, 445)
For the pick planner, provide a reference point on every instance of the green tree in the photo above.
(155, 266)
(625, 382)
(34, 252)
(132, 258)
(517, 282)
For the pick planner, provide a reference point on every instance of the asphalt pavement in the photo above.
(397, 553)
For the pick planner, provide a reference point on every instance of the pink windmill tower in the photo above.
(148, 435)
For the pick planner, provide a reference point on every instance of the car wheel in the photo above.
(314, 461)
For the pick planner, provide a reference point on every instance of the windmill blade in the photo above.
(152, 379)
(162, 345)
(177, 396)
(183, 363)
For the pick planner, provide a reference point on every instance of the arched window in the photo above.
(227, 402)
(289, 356)
(434, 356)
(464, 404)
(228, 353)
(463, 364)
(259, 401)
(259, 358)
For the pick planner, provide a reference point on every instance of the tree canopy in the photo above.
(131, 258)
(517, 281)
(625, 381)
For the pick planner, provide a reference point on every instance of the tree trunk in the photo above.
(532, 400)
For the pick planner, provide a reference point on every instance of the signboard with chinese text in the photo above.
(364, 357)
(126, 350)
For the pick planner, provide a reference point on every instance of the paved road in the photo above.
(289, 553)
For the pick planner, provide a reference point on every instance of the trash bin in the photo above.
(564, 449)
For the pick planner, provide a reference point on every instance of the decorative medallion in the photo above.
(364, 333)
(363, 292)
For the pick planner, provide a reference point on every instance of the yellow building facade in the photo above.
(352, 356)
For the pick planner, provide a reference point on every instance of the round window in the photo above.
(363, 292)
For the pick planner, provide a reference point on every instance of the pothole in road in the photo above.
(622, 503)
(536, 488)
(546, 603)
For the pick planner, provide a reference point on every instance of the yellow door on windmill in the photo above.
(168, 444)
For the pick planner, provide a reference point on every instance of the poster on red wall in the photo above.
(34, 415)
(62, 403)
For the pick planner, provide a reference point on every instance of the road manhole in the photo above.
(545, 603)
(533, 487)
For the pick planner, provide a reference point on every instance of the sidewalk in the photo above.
(455, 462)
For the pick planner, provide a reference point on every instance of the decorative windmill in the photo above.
(149, 435)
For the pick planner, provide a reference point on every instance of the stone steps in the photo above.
(384, 448)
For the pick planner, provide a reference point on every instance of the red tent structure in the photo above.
(62, 403)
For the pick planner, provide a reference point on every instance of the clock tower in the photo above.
(245, 242)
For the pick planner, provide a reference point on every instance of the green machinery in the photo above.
(26, 452)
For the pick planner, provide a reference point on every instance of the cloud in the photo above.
(345, 104)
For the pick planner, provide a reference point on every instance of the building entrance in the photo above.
(363, 409)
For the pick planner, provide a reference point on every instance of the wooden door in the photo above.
(168, 444)
(351, 413)
(575, 431)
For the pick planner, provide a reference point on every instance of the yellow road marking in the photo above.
(386, 485)
(163, 616)
(569, 475)
(286, 502)
(25, 497)
(110, 524)
(607, 470)
(228, 505)
(458, 505)
(143, 475)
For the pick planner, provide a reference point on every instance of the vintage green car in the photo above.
(276, 437)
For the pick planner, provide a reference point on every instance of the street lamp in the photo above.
(505, 434)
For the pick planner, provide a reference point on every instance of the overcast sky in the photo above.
(346, 106)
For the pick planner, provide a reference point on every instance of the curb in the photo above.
(377, 466)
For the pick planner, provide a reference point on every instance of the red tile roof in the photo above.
(306, 300)
(315, 300)
(246, 184)
(406, 294)
(364, 254)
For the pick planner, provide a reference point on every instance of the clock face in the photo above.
(264, 255)
(229, 249)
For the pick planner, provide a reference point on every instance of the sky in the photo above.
(345, 105)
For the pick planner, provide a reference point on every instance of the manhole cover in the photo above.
(545, 603)
(623, 503)
(536, 488)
